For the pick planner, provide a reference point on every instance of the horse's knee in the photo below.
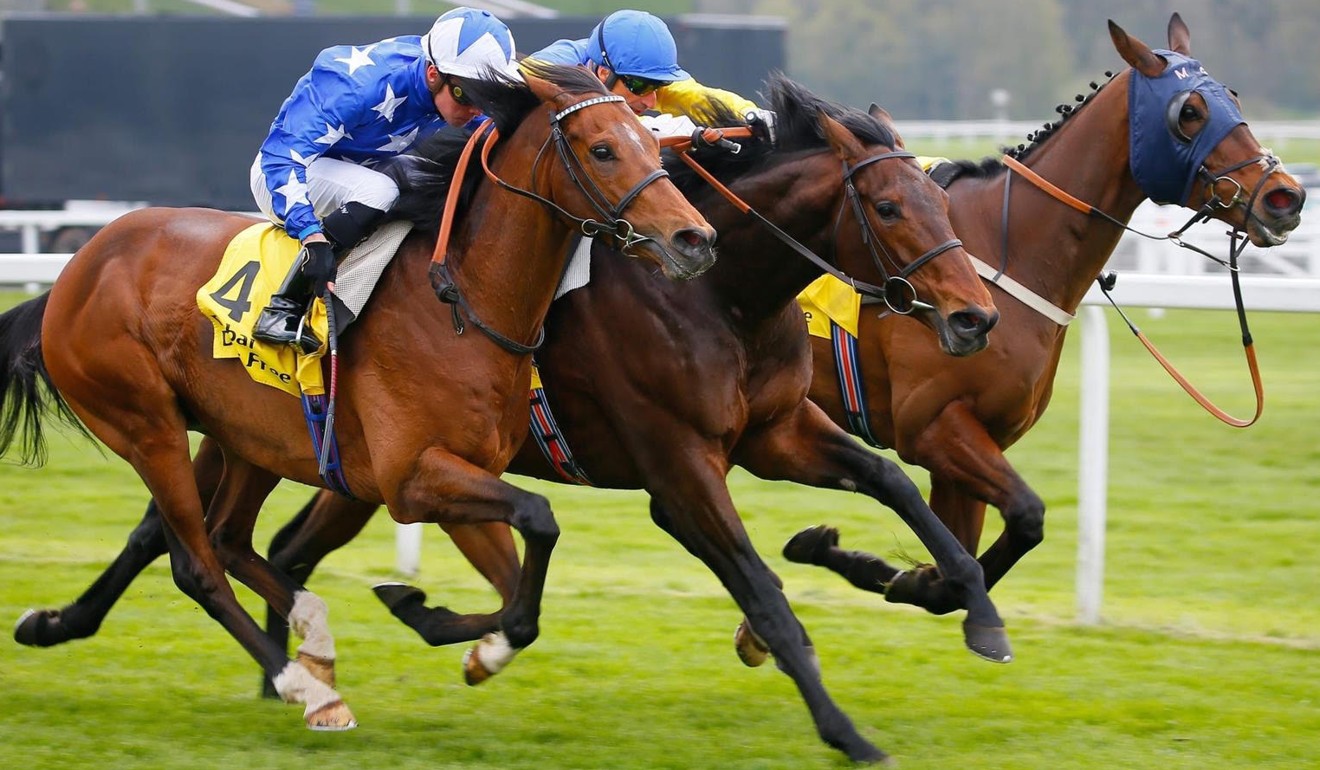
(1024, 519)
(533, 518)
(191, 580)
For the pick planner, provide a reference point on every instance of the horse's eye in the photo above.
(602, 152)
(888, 210)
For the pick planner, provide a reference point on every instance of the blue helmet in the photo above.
(465, 41)
(638, 44)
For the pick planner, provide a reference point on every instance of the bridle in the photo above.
(896, 291)
(611, 222)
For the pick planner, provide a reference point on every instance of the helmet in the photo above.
(465, 41)
(638, 44)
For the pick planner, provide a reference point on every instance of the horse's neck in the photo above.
(507, 256)
(1052, 249)
(757, 275)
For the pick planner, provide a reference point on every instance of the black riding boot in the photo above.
(278, 322)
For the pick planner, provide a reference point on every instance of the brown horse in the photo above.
(429, 418)
(955, 417)
(666, 390)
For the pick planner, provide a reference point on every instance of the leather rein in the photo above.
(611, 222)
(1237, 242)
(896, 292)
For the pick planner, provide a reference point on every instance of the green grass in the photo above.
(1206, 656)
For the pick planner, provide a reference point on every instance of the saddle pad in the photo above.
(828, 299)
(253, 267)
(361, 269)
(577, 273)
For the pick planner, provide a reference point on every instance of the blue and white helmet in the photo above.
(465, 41)
(638, 44)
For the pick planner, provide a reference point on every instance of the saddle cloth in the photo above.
(253, 267)
(828, 299)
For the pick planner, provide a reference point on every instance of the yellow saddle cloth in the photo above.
(829, 299)
(253, 267)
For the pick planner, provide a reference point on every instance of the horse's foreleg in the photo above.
(807, 448)
(690, 500)
(490, 549)
(450, 491)
(82, 618)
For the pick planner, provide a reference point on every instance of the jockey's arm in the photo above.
(683, 97)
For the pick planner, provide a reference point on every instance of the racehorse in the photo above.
(955, 417)
(666, 390)
(429, 418)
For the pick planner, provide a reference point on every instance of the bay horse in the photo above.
(955, 417)
(429, 418)
(666, 390)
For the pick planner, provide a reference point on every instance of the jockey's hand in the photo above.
(703, 138)
(318, 263)
(762, 123)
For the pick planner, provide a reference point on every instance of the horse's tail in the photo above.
(25, 386)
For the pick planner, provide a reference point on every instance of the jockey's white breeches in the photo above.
(330, 184)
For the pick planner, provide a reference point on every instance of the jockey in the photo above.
(357, 106)
(634, 55)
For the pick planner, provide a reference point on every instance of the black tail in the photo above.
(25, 386)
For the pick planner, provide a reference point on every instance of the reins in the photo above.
(894, 285)
(614, 224)
(1106, 281)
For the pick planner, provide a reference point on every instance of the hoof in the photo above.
(752, 649)
(866, 754)
(321, 668)
(41, 628)
(332, 717)
(397, 595)
(811, 545)
(473, 672)
(988, 642)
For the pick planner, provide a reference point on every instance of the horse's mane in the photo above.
(423, 173)
(797, 122)
(990, 167)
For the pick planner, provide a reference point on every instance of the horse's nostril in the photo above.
(972, 323)
(693, 238)
(1283, 200)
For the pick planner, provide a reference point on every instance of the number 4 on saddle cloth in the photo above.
(253, 266)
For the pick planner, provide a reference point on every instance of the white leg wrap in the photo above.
(494, 652)
(296, 685)
(308, 621)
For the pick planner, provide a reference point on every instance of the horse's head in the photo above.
(906, 236)
(609, 174)
(1190, 144)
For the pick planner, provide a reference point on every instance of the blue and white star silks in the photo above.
(358, 104)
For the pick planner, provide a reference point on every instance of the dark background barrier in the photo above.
(172, 110)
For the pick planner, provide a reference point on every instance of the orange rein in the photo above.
(455, 186)
(682, 146)
(1248, 345)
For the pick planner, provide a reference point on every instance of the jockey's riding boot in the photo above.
(278, 322)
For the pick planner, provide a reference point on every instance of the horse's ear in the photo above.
(1180, 40)
(882, 115)
(1135, 52)
(845, 145)
(544, 90)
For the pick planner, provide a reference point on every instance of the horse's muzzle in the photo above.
(691, 251)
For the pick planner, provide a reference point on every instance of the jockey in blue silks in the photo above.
(357, 106)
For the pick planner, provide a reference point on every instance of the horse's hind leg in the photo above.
(448, 490)
(231, 519)
(82, 618)
(807, 448)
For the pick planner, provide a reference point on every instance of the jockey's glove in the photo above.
(318, 265)
(762, 123)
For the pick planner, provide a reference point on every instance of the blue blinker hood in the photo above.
(1163, 164)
